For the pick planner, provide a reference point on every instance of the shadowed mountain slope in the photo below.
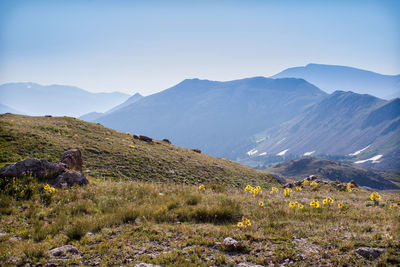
(330, 170)
(217, 117)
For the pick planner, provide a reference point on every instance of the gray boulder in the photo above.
(41, 169)
(73, 159)
(64, 250)
(70, 178)
(370, 253)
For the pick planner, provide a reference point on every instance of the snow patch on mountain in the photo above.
(359, 151)
(252, 152)
(374, 159)
(282, 153)
(309, 153)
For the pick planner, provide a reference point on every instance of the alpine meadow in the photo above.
(199, 133)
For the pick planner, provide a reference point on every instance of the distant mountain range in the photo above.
(92, 116)
(332, 78)
(331, 170)
(7, 109)
(256, 121)
(59, 100)
(345, 125)
(220, 118)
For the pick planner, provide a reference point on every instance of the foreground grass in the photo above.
(128, 222)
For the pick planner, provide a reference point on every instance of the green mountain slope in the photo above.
(111, 154)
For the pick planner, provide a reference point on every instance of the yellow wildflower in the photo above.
(46, 187)
(314, 204)
(292, 204)
(327, 200)
(258, 190)
(375, 196)
(388, 236)
(202, 187)
(306, 181)
(314, 183)
(298, 188)
(131, 146)
(248, 187)
(240, 225)
(261, 204)
(274, 190)
(349, 187)
(287, 192)
(340, 205)
(300, 206)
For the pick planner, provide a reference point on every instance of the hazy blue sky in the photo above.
(147, 46)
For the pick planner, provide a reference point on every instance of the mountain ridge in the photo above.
(335, 77)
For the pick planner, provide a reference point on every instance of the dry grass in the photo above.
(182, 225)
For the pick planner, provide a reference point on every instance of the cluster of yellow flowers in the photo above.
(327, 200)
(298, 188)
(349, 187)
(254, 191)
(202, 187)
(388, 236)
(244, 223)
(49, 189)
(273, 190)
(375, 196)
(287, 192)
(306, 181)
(395, 205)
(314, 183)
(293, 204)
(314, 204)
(131, 146)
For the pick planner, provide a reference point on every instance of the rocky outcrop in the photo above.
(370, 253)
(73, 159)
(54, 173)
(70, 178)
(64, 250)
(143, 138)
(167, 141)
(196, 150)
(41, 169)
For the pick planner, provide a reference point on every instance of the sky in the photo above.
(148, 46)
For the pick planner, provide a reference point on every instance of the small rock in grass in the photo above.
(231, 244)
(370, 252)
(142, 264)
(64, 250)
(247, 264)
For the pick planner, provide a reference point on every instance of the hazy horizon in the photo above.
(148, 46)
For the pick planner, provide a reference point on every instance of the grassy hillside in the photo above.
(111, 154)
